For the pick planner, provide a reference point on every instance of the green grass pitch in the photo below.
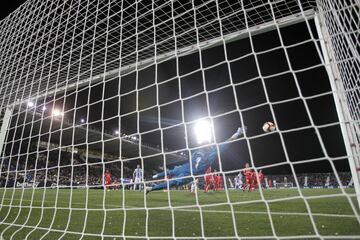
(90, 214)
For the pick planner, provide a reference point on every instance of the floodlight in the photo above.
(203, 131)
(30, 104)
(57, 113)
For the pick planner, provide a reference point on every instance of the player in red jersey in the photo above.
(270, 183)
(219, 182)
(257, 183)
(261, 177)
(248, 178)
(215, 181)
(107, 177)
(208, 178)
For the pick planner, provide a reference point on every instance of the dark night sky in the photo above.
(8, 6)
(265, 150)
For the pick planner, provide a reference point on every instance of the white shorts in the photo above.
(137, 180)
(192, 188)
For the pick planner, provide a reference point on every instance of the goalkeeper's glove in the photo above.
(240, 131)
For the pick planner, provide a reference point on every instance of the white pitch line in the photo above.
(207, 211)
(273, 213)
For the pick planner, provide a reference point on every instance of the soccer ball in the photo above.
(269, 127)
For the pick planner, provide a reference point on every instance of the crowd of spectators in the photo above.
(54, 168)
(74, 169)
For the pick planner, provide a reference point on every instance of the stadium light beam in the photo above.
(30, 104)
(57, 113)
(82, 120)
(203, 131)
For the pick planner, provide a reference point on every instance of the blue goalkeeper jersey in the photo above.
(202, 160)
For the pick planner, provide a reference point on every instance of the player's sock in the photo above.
(206, 189)
(148, 189)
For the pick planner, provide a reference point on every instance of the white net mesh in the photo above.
(102, 100)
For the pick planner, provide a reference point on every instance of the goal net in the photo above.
(144, 120)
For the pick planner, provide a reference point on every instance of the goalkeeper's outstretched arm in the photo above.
(239, 132)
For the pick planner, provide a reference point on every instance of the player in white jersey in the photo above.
(137, 175)
(193, 185)
(236, 182)
(240, 182)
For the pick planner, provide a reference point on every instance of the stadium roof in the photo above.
(95, 140)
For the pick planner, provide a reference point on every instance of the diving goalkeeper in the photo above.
(200, 161)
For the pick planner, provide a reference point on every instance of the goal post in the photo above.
(5, 121)
(349, 123)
